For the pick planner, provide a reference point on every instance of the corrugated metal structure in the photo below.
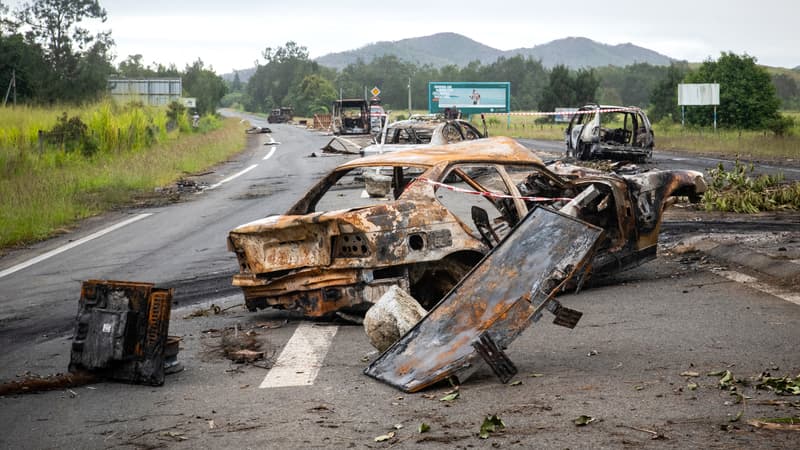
(150, 91)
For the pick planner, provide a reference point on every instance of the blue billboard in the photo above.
(469, 97)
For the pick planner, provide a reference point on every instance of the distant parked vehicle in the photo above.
(283, 114)
(597, 131)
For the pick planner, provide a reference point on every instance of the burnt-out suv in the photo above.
(421, 218)
(601, 131)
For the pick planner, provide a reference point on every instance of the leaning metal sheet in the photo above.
(501, 296)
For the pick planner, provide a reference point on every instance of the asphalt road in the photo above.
(621, 365)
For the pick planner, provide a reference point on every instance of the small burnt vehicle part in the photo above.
(597, 131)
(510, 288)
(338, 249)
(121, 332)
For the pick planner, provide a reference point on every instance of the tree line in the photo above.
(51, 58)
(749, 95)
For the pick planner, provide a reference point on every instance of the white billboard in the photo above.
(698, 94)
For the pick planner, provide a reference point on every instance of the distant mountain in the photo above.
(451, 48)
(244, 75)
(438, 50)
(578, 52)
(442, 49)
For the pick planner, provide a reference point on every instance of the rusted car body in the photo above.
(419, 131)
(597, 131)
(339, 248)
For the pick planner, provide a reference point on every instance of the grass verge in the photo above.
(53, 190)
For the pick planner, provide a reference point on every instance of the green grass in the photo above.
(44, 191)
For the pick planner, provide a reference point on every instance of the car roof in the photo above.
(489, 150)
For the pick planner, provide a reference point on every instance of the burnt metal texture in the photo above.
(500, 297)
(121, 331)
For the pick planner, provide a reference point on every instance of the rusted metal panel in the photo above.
(121, 331)
(500, 296)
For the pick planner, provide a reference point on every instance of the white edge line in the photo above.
(232, 177)
(783, 294)
(73, 244)
(269, 155)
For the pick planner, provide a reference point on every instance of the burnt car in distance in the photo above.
(339, 248)
(432, 130)
(599, 131)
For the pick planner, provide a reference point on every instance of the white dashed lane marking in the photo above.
(300, 361)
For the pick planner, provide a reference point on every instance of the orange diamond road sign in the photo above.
(375, 91)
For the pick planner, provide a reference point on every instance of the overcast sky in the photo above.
(231, 34)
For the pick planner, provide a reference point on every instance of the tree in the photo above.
(746, 94)
(314, 94)
(132, 67)
(567, 90)
(664, 96)
(78, 61)
(787, 90)
(205, 85)
(270, 84)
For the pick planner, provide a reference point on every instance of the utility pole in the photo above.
(409, 96)
(11, 84)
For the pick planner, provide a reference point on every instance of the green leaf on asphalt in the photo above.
(718, 373)
(536, 375)
(424, 427)
(690, 374)
(385, 437)
(783, 420)
(491, 424)
(737, 417)
(583, 420)
(727, 380)
(691, 386)
(516, 383)
(780, 385)
(398, 426)
(449, 397)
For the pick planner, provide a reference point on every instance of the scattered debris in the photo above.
(392, 316)
(491, 424)
(258, 130)
(385, 437)
(777, 423)
(655, 435)
(452, 395)
(211, 310)
(32, 383)
(779, 385)
(423, 428)
(583, 420)
(241, 347)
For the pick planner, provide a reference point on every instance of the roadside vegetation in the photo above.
(94, 159)
(739, 190)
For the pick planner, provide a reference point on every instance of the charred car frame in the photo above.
(597, 131)
(340, 247)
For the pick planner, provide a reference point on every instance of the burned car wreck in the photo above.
(418, 130)
(441, 209)
(597, 131)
